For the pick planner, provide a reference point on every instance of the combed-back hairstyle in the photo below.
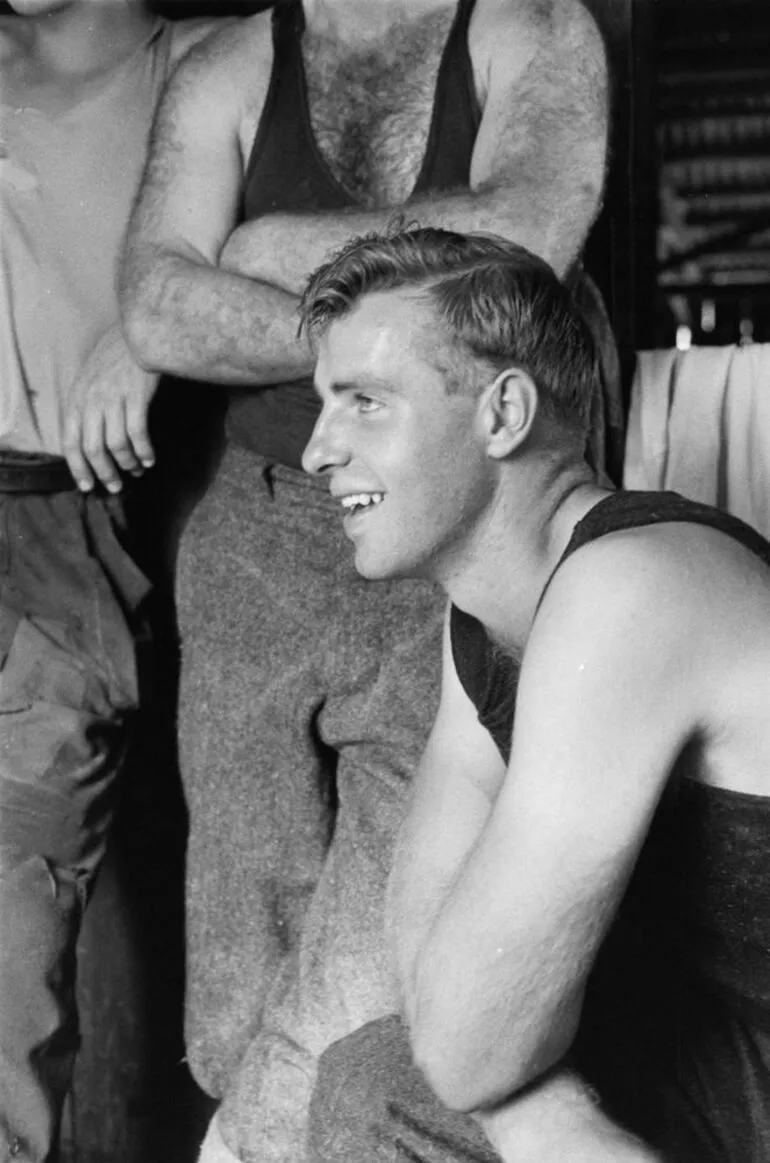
(502, 305)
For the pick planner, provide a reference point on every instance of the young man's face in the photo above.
(405, 459)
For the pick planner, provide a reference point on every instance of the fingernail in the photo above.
(114, 487)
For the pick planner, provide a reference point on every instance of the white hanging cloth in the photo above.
(699, 423)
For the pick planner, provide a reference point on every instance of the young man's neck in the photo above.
(506, 570)
(356, 21)
(82, 38)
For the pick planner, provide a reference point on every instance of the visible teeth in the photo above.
(354, 500)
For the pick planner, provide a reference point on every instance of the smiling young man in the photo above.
(594, 879)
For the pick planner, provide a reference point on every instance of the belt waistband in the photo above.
(34, 473)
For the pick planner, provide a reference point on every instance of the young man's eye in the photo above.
(366, 403)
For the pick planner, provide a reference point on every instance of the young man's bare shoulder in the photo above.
(672, 577)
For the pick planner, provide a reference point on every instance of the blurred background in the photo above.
(712, 130)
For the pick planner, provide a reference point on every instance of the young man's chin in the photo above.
(383, 568)
(373, 570)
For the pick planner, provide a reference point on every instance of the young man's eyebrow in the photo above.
(337, 387)
(342, 387)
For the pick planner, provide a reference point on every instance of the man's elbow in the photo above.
(145, 328)
(470, 1074)
(463, 1082)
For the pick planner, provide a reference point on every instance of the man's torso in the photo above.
(370, 109)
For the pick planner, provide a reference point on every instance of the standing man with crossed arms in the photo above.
(306, 693)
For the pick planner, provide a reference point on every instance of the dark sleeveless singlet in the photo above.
(675, 1031)
(286, 172)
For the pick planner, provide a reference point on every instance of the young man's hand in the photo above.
(105, 429)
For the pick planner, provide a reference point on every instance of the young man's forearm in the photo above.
(554, 1119)
(193, 320)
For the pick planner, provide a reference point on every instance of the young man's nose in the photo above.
(324, 450)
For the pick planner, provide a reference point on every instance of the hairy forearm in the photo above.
(415, 899)
(554, 1118)
(431, 850)
(501, 974)
(286, 248)
(495, 1001)
(197, 321)
(431, 853)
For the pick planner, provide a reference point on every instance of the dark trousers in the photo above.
(69, 596)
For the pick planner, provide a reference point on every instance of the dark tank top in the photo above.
(675, 1031)
(286, 172)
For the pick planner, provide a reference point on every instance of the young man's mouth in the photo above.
(356, 503)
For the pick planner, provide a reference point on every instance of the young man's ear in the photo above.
(508, 408)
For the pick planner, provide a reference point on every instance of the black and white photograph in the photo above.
(384, 581)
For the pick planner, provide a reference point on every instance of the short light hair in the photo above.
(501, 305)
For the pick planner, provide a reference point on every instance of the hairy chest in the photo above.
(371, 108)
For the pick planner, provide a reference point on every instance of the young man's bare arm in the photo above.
(459, 778)
(458, 783)
(603, 709)
(539, 159)
(181, 312)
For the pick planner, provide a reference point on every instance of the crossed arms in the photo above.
(538, 162)
(505, 880)
(204, 302)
